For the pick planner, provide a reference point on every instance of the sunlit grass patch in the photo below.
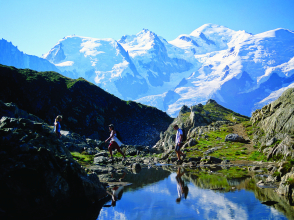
(83, 158)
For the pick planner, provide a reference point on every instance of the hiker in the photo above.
(57, 126)
(179, 143)
(181, 187)
(114, 142)
(116, 194)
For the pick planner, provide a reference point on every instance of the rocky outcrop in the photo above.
(286, 187)
(196, 121)
(274, 127)
(87, 109)
(38, 176)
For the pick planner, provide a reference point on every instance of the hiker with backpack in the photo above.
(179, 142)
(114, 142)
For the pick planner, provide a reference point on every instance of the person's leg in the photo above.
(181, 153)
(119, 150)
(178, 155)
(178, 151)
(110, 149)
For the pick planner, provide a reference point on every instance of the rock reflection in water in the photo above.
(153, 195)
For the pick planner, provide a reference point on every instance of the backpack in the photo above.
(184, 135)
(118, 135)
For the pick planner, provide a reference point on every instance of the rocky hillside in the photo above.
(197, 120)
(274, 127)
(87, 109)
(39, 179)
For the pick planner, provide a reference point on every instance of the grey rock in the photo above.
(136, 168)
(235, 138)
(271, 141)
(225, 162)
(100, 159)
(101, 154)
(270, 179)
(284, 188)
(192, 142)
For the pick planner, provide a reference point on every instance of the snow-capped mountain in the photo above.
(247, 72)
(11, 56)
(239, 70)
(130, 68)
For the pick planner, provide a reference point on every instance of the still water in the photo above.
(172, 194)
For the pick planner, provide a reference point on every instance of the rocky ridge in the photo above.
(87, 109)
(196, 121)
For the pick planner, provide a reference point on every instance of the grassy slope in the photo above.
(229, 150)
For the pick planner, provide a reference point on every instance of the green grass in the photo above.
(83, 158)
(185, 116)
(257, 156)
(290, 182)
(229, 150)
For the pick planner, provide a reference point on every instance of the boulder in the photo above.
(136, 168)
(214, 159)
(235, 138)
(131, 151)
(192, 142)
(100, 159)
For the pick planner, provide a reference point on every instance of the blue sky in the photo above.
(35, 26)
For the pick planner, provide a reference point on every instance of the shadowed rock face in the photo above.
(38, 176)
(87, 109)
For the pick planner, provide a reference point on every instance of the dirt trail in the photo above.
(240, 130)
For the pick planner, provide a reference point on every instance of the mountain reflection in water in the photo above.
(154, 194)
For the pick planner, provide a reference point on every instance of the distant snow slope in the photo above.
(239, 70)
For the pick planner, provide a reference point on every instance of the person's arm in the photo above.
(181, 138)
(56, 127)
(111, 136)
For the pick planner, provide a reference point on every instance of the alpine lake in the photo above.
(172, 192)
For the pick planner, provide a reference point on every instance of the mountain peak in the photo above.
(147, 32)
(210, 28)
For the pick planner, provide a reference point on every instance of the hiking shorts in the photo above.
(178, 146)
(112, 145)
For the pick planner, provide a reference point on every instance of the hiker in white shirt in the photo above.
(114, 142)
(179, 143)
